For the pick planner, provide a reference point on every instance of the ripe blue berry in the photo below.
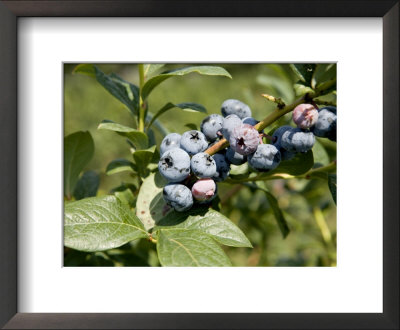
(305, 115)
(234, 157)
(178, 196)
(277, 136)
(244, 139)
(235, 107)
(203, 165)
(250, 121)
(330, 108)
(193, 142)
(222, 167)
(229, 124)
(211, 125)
(297, 140)
(171, 141)
(326, 124)
(204, 190)
(276, 140)
(174, 165)
(267, 157)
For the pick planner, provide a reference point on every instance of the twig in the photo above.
(274, 99)
(275, 115)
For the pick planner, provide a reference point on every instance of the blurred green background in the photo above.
(307, 204)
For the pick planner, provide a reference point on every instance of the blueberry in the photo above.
(211, 125)
(326, 124)
(235, 158)
(235, 107)
(297, 140)
(204, 190)
(203, 165)
(223, 167)
(172, 140)
(277, 139)
(229, 124)
(267, 157)
(174, 165)
(305, 115)
(244, 139)
(178, 196)
(330, 108)
(193, 142)
(250, 121)
(277, 136)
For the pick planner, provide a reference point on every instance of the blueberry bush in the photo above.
(178, 202)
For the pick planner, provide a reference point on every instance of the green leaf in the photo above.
(160, 127)
(122, 90)
(87, 69)
(323, 73)
(239, 171)
(321, 157)
(299, 164)
(329, 98)
(139, 139)
(100, 223)
(150, 205)
(120, 165)
(203, 70)
(280, 87)
(280, 219)
(301, 89)
(332, 185)
(125, 194)
(150, 69)
(192, 126)
(143, 158)
(208, 221)
(304, 71)
(190, 107)
(189, 248)
(87, 185)
(78, 150)
(151, 136)
(326, 87)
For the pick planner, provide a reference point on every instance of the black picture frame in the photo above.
(9, 13)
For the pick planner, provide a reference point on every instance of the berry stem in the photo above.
(278, 113)
(151, 239)
(220, 145)
(275, 115)
(142, 108)
(314, 104)
(269, 137)
(274, 99)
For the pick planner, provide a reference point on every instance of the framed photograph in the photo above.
(134, 137)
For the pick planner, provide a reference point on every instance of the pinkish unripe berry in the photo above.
(204, 190)
(305, 115)
(244, 139)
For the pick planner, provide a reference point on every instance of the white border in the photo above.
(355, 285)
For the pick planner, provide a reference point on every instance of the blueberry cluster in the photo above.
(192, 173)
